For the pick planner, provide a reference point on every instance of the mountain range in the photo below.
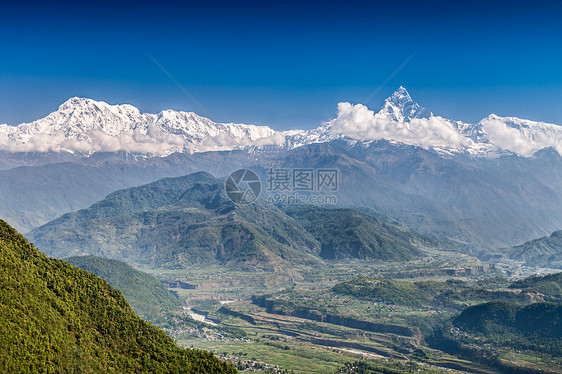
(84, 126)
(440, 178)
(179, 222)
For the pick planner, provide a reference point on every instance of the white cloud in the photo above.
(524, 138)
(177, 132)
(226, 141)
(357, 121)
(155, 141)
(96, 141)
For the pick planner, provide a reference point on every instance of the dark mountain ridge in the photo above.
(543, 252)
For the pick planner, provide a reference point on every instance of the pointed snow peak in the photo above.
(400, 96)
(82, 103)
(85, 105)
(73, 102)
(401, 108)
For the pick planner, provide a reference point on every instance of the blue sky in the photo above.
(283, 64)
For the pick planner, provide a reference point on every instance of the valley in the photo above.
(306, 288)
(312, 288)
(221, 187)
(272, 322)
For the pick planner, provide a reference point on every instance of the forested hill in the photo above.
(189, 220)
(348, 233)
(55, 318)
(499, 317)
(148, 297)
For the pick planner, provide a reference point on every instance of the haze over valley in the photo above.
(281, 187)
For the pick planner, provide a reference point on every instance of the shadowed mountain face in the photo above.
(57, 318)
(177, 222)
(482, 203)
(543, 252)
(33, 196)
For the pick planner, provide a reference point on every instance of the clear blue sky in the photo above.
(283, 63)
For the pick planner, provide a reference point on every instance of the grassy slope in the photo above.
(451, 293)
(57, 318)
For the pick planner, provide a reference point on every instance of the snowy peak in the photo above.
(401, 95)
(403, 120)
(400, 107)
(520, 136)
(78, 115)
(79, 102)
(78, 106)
(87, 126)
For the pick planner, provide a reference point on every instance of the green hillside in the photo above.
(179, 222)
(451, 293)
(544, 319)
(348, 233)
(143, 292)
(548, 286)
(505, 325)
(55, 318)
(536, 326)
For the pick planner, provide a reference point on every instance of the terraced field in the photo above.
(266, 321)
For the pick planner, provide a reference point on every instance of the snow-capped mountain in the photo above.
(520, 136)
(402, 120)
(86, 126)
(400, 107)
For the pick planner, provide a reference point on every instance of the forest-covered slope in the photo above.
(177, 222)
(55, 318)
(148, 296)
